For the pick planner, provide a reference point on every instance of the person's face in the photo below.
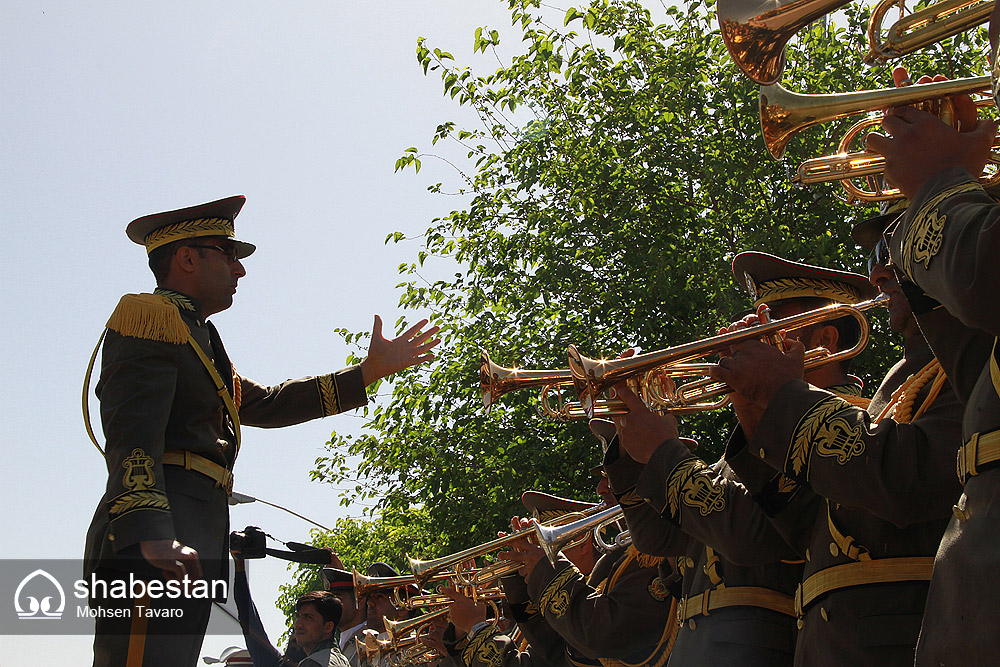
(604, 491)
(309, 628)
(900, 316)
(352, 614)
(217, 274)
(379, 607)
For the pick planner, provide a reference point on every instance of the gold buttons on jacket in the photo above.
(762, 452)
(834, 550)
(960, 514)
(692, 625)
(822, 612)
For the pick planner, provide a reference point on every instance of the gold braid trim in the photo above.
(554, 600)
(804, 435)
(691, 482)
(900, 407)
(149, 316)
(237, 389)
(140, 500)
(482, 648)
(924, 234)
(792, 288)
(328, 394)
(188, 229)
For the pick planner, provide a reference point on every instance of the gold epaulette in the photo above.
(151, 317)
(643, 560)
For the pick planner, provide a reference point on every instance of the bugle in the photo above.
(756, 31)
(923, 27)
(784, 113)
(594, 376)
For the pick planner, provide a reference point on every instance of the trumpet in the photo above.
(400, 586)
(756, 31)
(921, 28)
(594, 376)
(553, 538)
(496, 380)
(866, 167)
(423, 570)
(784, 113)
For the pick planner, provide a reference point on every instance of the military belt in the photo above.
(862, 573)
(738, 596)
(190, 461)
(982, 448)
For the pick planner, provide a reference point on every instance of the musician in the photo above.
(944, 244)
(616, 610)
(378, 603)
(171, 406)
(739, 573)
(880, 474)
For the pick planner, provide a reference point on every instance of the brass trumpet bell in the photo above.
(756, 31)
(921, 28)
(553, 538)
(496, 380)
(784, 113)
(594, 376)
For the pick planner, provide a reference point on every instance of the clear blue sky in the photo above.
(112, 110)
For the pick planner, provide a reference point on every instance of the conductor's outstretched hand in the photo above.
(386, 357)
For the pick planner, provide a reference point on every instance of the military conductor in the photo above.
(172, 405)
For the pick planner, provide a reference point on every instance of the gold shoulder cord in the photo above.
(900, 407)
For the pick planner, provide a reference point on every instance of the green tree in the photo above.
(617, 169)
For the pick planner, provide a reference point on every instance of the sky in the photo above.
(112, 110)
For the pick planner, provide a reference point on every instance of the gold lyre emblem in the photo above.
(138, 471)
(559, 604)
(927, 239)
(703, 494)
(837, 438)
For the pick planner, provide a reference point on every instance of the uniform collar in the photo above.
(188, 305)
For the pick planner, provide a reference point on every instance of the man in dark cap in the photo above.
(172, 406)
(379, 604)
(879, 474)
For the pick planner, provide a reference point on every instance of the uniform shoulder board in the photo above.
(149, 316)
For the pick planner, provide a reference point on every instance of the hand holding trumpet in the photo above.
(917, 144)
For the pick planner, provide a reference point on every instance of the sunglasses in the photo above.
(879, 256)
(228, 251)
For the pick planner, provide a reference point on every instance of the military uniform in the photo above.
(171, 407)
(944, 243)
(619, 614)
(739, 568)
(864, 494)
(736, 605)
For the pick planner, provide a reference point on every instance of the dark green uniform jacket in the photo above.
(946, 244)
(677, 505)
(851, 494)
(157, 397)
